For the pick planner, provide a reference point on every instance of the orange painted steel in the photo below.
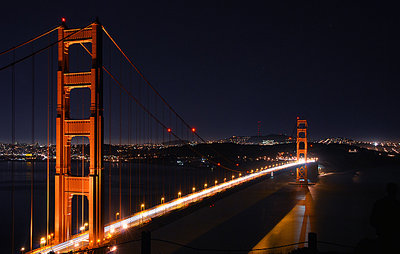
(66, 185)
(302, 149)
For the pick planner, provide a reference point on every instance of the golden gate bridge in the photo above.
(81, 191)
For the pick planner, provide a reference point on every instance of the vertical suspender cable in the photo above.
(33, 152)
(109, 147)
(48, 141)
(13, 153)
(129, 143)
(120, 152)
(83, 167)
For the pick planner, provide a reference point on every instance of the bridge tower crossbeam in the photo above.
(67, 185)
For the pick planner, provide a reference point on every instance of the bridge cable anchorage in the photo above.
(159, 122)
(157, 93)
(42, 49)
(29, 41)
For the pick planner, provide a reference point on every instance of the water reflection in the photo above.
(294, 227)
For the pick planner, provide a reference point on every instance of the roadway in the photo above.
(230, 204)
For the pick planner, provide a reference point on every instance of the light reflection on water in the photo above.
(294, 227)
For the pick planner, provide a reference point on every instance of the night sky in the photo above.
(224, 65)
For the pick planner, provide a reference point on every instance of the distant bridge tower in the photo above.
(66, 185)
(302, 150)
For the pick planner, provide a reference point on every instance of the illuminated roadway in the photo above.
(81, 240)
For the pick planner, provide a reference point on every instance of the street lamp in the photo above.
(216, 182)
(194, 189)
(42, 241)
(179, 194)
(22, 250)
(205, 185)
(162, 200)
(116, 216)
(141, 214)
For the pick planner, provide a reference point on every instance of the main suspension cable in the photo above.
(149, 84)
(158, 94)
(42, 49)
(158, 121)
(29, 41)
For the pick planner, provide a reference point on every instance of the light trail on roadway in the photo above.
(81, 240)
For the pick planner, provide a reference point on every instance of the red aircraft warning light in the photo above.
(193, 129)
(219, 164)
(63, 19)
(169, 129)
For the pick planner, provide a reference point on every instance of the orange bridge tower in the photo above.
(302, 150)
(67, 185)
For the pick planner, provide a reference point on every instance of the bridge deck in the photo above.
(136, 219)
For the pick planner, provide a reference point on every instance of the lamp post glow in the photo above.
(205, 185)
(179, 194)
(162, 200)
(216, 182)
(42, 241)
(116, 216)
(141, 214)
(194, 189)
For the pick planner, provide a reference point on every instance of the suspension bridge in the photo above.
(111, 127)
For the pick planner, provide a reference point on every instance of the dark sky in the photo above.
(224, 65)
